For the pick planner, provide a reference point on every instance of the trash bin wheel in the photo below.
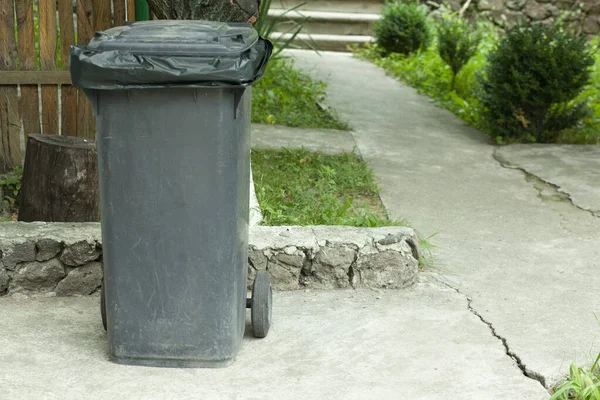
(262, 301)
(103, 307)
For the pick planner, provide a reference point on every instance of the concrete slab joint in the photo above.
(66, 259)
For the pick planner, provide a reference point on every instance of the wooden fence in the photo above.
(36, 95)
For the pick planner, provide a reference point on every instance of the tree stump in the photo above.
(60, 180)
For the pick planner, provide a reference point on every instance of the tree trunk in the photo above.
(60, 180)
(208, 10)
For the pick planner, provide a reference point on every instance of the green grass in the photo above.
(427, 259)
(582, 384)
(287, 96)
(298, 187)
(428, 73)
(10, 185)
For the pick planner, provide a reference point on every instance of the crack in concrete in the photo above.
(557, 195)
(573, 219)
(526, 371)
(576, 221)
(560, 195)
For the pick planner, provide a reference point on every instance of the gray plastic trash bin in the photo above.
(173, 101)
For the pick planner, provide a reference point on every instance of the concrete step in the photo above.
(332, 31)
(325, 42)
(331, 23)
(350, 6)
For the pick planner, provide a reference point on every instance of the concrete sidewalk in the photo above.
(329, 141)
(420, 343)
(527, 257)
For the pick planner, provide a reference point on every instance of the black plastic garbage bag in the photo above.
(155, 54)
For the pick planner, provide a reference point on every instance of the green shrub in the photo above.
(588, 131)
(403, 28)
(467, 84)
(531, 81)
(457, 43)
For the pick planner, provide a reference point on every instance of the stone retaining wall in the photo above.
(584, 15)
(65, 259)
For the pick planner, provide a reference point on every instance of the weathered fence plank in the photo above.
(130, 10)
(48, 37)
(102, 15)
(86, 123)
(30, 102)
(68, 93)
(119, 12)
(10, 124)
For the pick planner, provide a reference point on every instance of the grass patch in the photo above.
(426, 259)
(287, 96)
(427, 72)
(298, 187)
(10, 185)
(581, 385)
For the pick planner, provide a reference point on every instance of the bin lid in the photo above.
(168, 53)
(177, 37)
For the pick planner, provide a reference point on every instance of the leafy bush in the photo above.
(467, 83)
(588, 130)
(457, 43)
(531, 81)
(403, 28)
